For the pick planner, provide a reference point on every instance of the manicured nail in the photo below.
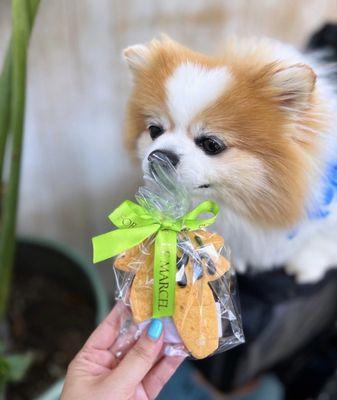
(155, 329)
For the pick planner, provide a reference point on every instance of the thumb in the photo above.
(140, 358)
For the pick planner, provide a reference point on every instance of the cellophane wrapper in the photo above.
(202, 286)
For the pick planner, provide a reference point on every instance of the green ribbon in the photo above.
(135, 223)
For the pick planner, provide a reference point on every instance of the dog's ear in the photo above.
(137, 56)
(293, 86)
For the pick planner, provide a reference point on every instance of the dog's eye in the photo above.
(211, 145)
(155, 131)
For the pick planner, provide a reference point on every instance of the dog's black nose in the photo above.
(163, 155)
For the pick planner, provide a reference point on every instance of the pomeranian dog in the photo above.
(254, 129)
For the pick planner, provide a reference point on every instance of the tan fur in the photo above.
(258, 117)
(148, 94)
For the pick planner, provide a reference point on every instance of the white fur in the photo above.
(191, 88)
(314, 249)
(136, 56)
(318, 256)
(308, 256)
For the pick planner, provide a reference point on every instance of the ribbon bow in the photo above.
(135, 223)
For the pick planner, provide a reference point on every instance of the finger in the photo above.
(140, 393)
(107, 331)
(141, 357)
(92, 357)
(160, 374)
(123, 344)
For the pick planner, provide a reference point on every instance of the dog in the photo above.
(253, 128)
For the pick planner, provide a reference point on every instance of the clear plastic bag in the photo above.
(206, 317)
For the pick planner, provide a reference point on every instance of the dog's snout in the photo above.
(158, 155)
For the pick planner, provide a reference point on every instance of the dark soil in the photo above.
(51, 319)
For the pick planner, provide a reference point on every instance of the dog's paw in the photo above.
(307, 268)
(305, 276)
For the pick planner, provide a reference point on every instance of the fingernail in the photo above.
(155, 329)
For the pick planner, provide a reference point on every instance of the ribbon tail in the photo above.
(195, 219)
(112, 243)
(164, 273)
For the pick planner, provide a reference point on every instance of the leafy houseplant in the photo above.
(12, 111)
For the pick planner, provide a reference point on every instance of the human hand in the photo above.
(96, 373)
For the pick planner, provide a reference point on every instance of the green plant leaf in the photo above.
(13, 368)
(23, 13)
(4, 374)
(20, 35)
(5, 91)
(18, 365)
(4, 367)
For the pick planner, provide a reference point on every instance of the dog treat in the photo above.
(168, 266)
(195, 315)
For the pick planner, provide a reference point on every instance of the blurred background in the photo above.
(75, 169)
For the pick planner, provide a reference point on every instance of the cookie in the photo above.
(195, 315)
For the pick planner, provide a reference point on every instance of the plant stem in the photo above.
(5, 91)
(23, 13)
(5, 96)
(33, 6)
